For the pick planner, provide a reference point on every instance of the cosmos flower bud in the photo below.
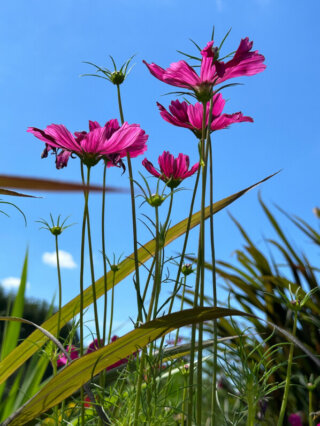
(155, 200)
(117, 77)
(56, 230)
(187, 269)
(114, 268)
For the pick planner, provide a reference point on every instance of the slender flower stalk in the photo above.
(214, 287)
(95, 307)
(134, 218)
(310, 421)
(104, 256)
(184, 398)
(56, 228)
(213, 262)
(148, 280)
(60, 286)
(157, 277)
(185, 243)
(136, 263)
(288, 376)
(112, 307)
(83, 233)
(184, 283)
(199, 289)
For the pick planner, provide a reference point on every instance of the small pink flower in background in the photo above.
(172, 170)
(110, 142)
(173, 341)
(190, 116)
(212, 71)
(93, 346)
(295, 420)
(62, 359)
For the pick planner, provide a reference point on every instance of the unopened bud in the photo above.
(56, 230)
(155, 200)
(187, 269)
(117, 77)
(114, 268)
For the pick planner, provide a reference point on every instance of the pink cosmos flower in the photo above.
(295, 420)
(74, 354)
(190, 116)
(172, 170)
(212, 72)
(62, 359)
(110, 142)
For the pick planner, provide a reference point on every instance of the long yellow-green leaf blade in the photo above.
(80, 371)
(23, 352)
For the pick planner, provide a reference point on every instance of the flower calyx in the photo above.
(155, 200)
(187, 269)
(55, 228)
(116, 76)
(114, 265)
(114, 268)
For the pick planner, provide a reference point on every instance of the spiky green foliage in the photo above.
(260, 282)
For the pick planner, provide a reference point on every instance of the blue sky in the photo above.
(43, 45)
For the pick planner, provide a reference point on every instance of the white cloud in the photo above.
(65, 259)
(11, 283)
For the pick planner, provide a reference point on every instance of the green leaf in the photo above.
(126, 267)
(9, 402)
(14, 193)
(80, 371)
(35, 184)
(12, 331)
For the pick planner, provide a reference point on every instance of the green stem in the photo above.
(94, 293)
(157, 276)
(181, 306)
(199, 289)
(184, 248)
(184, 402)
(136, 259)
(310, 408)
(177, 280)
(148, 280)
(139, 388)
(134, 219)
(59, 313)
(82, 414)
(214, 288)
(251, 412)
(120, 104)
(104, 256)
(288, 377)
(60, 286)
(155, 289)
(169, 211)
(112, 305)
(152, 307)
